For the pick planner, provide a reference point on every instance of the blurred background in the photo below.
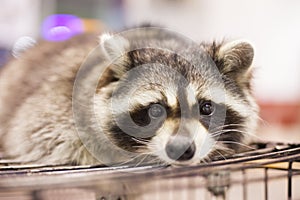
(273, 27)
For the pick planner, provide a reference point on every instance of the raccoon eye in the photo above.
(207, 108)
(156, 111)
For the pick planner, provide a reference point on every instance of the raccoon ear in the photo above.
(236, 57)
(114, 48)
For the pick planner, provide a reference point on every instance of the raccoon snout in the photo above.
(180, 148)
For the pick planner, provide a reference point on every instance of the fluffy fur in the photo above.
(37, 122)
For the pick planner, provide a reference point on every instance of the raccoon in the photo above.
(157, 100)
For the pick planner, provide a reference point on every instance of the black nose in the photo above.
(180, 149)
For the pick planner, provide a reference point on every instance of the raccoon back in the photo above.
(37, 87)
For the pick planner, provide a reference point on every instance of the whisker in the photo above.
(151, 155)
(141, 161)
(221, 154)
(232, 142)
(223, 149)
(142, 141)
(127, 161)
(264, 122)
(220, 132)
(229, 125)
(158, 161)
(229, 130)
(140, 147)
(133, 158)
(206, 160)
(155, 158)
(142, 156)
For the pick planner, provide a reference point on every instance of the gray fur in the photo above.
(36, 120)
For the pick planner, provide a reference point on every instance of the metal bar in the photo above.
(244, 185)
(290, 173)
(31, 177)
(266, 183)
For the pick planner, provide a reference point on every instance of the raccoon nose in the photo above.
(180, 149)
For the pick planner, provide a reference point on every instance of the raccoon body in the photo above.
(178, 104)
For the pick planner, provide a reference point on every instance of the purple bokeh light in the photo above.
(59, 27)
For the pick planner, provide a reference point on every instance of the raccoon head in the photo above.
(158, 103)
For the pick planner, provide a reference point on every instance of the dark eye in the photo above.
(156, 111)
(206, 108)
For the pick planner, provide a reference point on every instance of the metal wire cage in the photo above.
(271, 171)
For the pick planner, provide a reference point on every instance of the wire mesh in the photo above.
(270, 171)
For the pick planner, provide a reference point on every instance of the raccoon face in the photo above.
(161, 105)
